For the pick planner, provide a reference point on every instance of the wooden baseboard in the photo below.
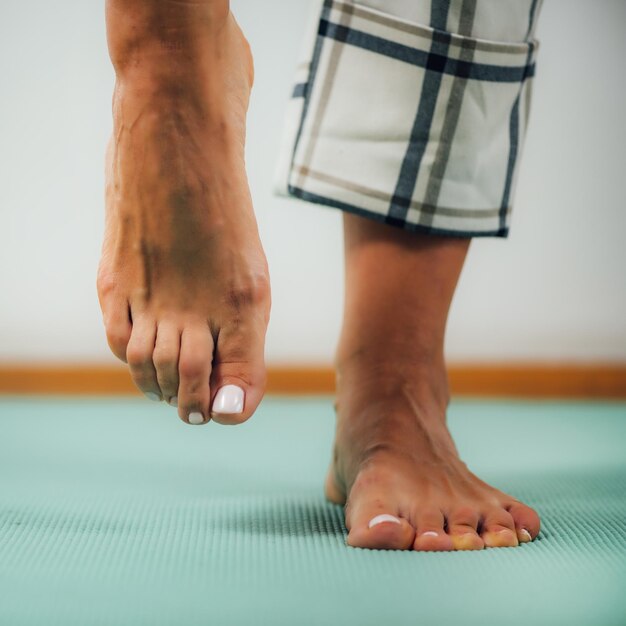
(590, 381)
(585, 381)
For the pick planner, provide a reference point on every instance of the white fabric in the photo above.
(412, 124)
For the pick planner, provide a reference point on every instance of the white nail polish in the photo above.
(430, 533)
(174, 401)
(525, 534)
(196, 418)
(385, 517)
(155, 397)
(229, 400)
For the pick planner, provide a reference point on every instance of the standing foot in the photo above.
(397, 471)
(395, 465)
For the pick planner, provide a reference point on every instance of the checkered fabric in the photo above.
(413, 112)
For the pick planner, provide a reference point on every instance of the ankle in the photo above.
(421, 385)
(394, 356)
(194, 56)
(152, 35)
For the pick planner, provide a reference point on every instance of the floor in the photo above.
(113, 512)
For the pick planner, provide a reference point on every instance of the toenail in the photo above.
(430, 533)
(174, 401)
(526, 536)
(196, 418)
(155, 397)
(229, 400)
(385, 517)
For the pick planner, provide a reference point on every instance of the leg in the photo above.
(411, 116)
(394, 456)
(183, 281)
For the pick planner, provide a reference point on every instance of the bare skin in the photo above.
(184, 290)
(394, 456)
(183, 280)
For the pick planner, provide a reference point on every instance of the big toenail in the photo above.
(526, 536)
(174, 401)
(385, 517)
(196, 418)
(430, 533)
(155, 397)
(229, 400)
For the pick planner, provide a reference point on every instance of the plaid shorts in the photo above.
(413, 112)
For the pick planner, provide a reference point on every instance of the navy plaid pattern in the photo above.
(415, 123)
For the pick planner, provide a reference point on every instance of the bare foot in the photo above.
(395, 465)
(397, 470)
(183, 280)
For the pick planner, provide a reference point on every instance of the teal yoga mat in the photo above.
(112, 512)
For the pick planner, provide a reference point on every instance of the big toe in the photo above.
(381, 531)
(238, 377)
(374, 523)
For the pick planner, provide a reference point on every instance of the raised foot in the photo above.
(183, 281)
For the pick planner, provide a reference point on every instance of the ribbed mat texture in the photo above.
(112, 512)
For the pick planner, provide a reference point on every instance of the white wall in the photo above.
(556, 289)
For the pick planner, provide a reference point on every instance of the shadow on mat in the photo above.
(567, 501)
(288, 518)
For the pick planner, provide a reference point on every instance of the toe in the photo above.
(139, 357)
(238, 378)
(462, 526)
(194, 372)
(526, 520)
(165, 358)
(117, 327)
(430, 535)
(498, 529)
(376, 525)
(115, 314)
